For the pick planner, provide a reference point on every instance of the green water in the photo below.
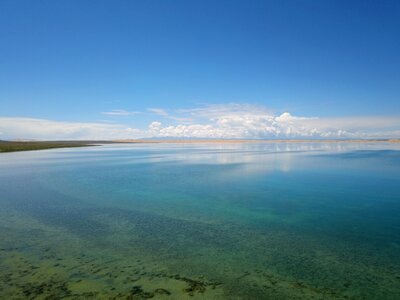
(206, 221)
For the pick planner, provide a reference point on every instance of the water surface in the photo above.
(201, 221)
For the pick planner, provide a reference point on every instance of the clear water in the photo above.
(201, 221)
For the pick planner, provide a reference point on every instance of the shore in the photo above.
(13, 146)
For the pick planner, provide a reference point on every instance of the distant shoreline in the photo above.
(14, 146)
(192, 141)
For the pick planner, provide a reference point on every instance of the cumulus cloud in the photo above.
(230, 121)
(248, 121)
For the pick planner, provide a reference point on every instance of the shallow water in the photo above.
(201, 221)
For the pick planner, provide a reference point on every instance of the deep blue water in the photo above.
(207, 221)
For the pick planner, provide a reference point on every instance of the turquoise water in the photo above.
(201, 221)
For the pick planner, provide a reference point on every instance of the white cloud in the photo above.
(164, 113)
(120, 112)
(29, 128)
(231, 121)
(215, 110)
(288, 118)
(249, 121)
(158, 111)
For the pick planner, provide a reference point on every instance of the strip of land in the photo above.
(12, 146)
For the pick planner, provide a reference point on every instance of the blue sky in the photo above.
(74, 62)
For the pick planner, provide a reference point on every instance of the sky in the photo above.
(78, 69)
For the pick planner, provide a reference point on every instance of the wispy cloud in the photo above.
(164, 113)
(214, 111)
(159, 112)
(42, 129)
(120, 112)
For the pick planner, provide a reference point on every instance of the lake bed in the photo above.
(201, 221)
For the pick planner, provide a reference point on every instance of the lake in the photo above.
(201, 221)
